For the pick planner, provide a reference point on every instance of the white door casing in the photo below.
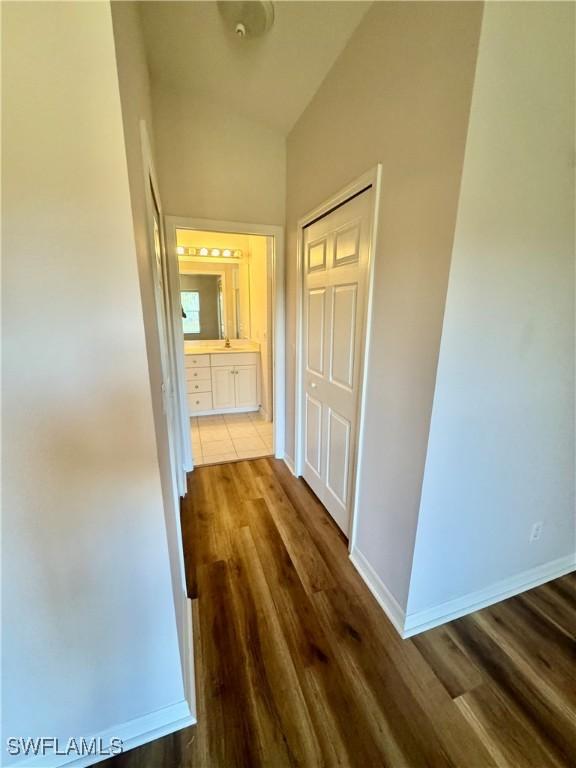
(335, 259)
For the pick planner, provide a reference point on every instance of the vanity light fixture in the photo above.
(182, 250)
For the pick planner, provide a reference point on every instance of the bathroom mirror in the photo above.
(215, 282)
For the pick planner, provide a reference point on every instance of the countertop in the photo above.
(192, 348)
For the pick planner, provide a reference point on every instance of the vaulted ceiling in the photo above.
(269, 79)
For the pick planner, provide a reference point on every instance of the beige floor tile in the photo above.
(209, 434)
(237, 418)
(216, 459)
(264, 430)
(249, 443)
(217, 447)
(258, 417)
(210, 421)
(254, 454)
(242, 430)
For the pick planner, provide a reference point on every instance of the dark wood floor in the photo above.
(297, 665)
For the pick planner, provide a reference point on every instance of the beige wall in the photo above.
(215, 164)
(398, 94)
(501, 448)
(135, 102)
(91, 640)
(259, 300)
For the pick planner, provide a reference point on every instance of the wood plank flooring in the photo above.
(297, 665)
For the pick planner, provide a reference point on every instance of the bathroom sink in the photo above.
(220, 348)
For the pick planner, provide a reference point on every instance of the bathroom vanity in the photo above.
(221, 380)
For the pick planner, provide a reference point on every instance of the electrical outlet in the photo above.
(536, 531)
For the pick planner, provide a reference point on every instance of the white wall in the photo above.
(136, 106)
(398, 94)
(215, 164)
(501, 448)
(91, 638)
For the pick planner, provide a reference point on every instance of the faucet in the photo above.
(227, 343)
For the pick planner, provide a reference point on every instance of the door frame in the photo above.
(278, 319)
(371, 178)
(178, 476)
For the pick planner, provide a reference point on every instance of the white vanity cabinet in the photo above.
(225, 382)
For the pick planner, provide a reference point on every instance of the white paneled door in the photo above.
(335, 267)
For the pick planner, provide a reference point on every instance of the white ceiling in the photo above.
(269, 79)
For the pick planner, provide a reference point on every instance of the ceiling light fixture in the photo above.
(252, 18)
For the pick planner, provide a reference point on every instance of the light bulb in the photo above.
(226, 252)
(215, 252)
(203, 251)
(180, 250)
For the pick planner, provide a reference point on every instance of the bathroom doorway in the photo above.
(228, 320)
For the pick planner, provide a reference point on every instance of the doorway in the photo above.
(335, 278)
(227, 287)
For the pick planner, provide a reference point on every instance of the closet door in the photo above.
(336, 250)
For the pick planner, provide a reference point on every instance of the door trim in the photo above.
(278, 317)
(370, 179)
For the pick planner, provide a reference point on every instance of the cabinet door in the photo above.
(223, 387)
(246, 384)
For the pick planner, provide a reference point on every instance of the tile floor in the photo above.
(229, 437)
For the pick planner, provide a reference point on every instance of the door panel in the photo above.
(313, 455)
(223, 387)
(338, 455)
(317, 255)
(343, 334)
(316, 309)
(346, 245)
(336, 249)
(246, 386)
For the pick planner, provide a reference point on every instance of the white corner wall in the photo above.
(399, 94)
(215, 164)
(135, 100)
(90, 643)
(501, 446)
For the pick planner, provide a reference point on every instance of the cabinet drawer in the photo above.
(197, 374)
(202, 385)
(229, 359)
(200, 402)
(193, 361)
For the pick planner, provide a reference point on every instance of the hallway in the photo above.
(297, 665)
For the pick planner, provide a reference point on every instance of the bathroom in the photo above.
(226, 292)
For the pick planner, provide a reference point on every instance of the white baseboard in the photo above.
(290, 464)
(133, 734)
(143, 729)
(188, 661)
(420, 621)
(385, 598)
